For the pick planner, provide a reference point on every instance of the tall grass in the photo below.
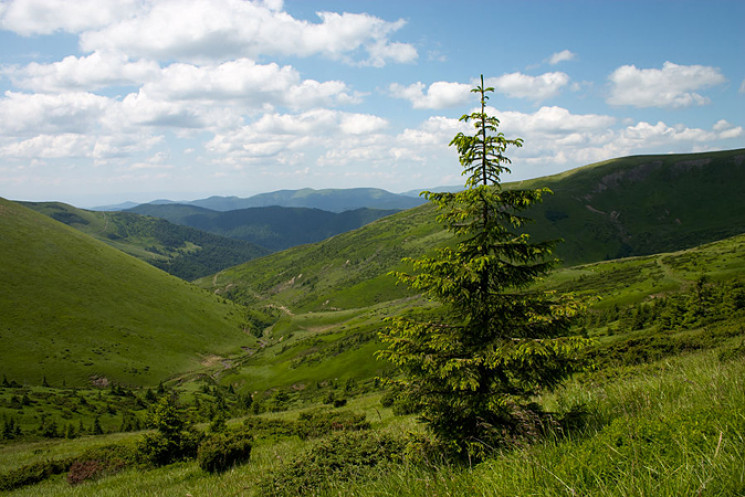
(674, 429)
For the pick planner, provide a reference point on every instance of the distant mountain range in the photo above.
(332, 200)
(274, 228)
(623, 207)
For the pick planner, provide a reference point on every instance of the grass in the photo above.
(299, 336)
(74, 309)
(668, 428)
(662, 415)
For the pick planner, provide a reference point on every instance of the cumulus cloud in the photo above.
(40, 17)
(563, 56)
(275, 135)
(245, 82)
(672, 86)
(535, 88)
(36, 114)
(91, 72)
(439, 95)
(222, 29)
(555, 120)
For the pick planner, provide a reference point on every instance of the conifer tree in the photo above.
(473, 370)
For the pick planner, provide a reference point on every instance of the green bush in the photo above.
(32, 473)
(159, 449)
(101, 461)
(222, 451)
(342, 456)
(174, 439)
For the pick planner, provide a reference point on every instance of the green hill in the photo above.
(623, 207)
(642, 205)
(179, 250)
(275, 228)
(322, 303)
(305, 346)
(76, 310)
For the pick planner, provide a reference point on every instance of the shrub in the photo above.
(159, 449)
(222, 451)
(342, 456)
(270, 429)
(101, 461)
(32, 473)
(174, 439)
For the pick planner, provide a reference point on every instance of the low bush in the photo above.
(222, 451)
(270, 429)
(342, 456)
(174, 439)
(31, 474)
(159, 449)
(101, 461)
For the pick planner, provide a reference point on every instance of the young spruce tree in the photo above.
(472, 372)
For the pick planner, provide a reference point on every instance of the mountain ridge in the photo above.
(329, 199)
(275, 228)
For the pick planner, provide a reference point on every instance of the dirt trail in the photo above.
(670, 273)
(281, 308)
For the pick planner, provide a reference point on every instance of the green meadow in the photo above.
(283, 347)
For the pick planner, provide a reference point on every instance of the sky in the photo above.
(105, 101)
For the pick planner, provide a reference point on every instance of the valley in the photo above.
(93, 339)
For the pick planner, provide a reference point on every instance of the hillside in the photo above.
(641, 205)
(275, 228)
(659, 413)
(179, 250)
(625, 207)
(320, 343)
(75, 310)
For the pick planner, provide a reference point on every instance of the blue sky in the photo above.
(106, 101)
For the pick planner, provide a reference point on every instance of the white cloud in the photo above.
(253, 86)
(672, 86)
(83, 73)
(278, 135)
(34, 17)
(562, 56)
(68, 145)
(554, 120)
(36, 114)
(535, 88)
(439, 95)
(223, 29)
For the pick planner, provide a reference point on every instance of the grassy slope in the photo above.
(180, 250)
(637, 206)
(666, 428)
(74, 308)
(324, 282)
(641, 205)
(306, 348)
